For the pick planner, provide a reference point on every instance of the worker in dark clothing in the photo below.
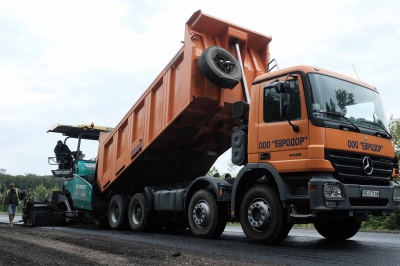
(63, 153)
(11, 201)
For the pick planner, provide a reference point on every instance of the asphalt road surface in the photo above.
(301, 247)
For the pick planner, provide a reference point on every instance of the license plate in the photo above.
(370, 193)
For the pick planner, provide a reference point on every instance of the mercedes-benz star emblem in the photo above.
(367, 165)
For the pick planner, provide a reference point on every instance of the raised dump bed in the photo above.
(181, 124)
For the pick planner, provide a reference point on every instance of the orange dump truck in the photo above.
(314, 147)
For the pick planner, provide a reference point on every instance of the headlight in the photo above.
(396, 194)
(333, 191)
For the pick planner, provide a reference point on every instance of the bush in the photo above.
(391, 222)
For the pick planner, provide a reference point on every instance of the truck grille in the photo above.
(368, 202)
(349, 167)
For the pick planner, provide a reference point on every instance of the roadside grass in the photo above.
(303, 226)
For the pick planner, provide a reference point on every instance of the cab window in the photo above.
(272, 102)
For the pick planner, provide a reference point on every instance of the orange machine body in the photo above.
(304, 151)
(181, 124)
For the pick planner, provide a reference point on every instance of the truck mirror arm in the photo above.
(283, 89)
(294, 127)
(286, 102)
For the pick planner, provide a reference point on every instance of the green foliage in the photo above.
(27, 181)
(232, 169)
(391, 222)
(394, 127)
(41, 185)
(212, 171)
(40, 192)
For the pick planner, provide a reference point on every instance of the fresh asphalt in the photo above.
(301, 247)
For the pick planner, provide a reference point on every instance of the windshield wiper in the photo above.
(342, 116)
(376, 124)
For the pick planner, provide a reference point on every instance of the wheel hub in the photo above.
(259, 214)
(115, 213)
(223, 64)
(201, 213)
(137, 214)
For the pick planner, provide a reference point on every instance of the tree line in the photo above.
(40, 185)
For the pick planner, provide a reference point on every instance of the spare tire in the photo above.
(220, 67)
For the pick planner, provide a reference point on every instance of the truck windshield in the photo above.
(340, 100)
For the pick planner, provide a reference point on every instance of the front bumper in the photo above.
(352, 199)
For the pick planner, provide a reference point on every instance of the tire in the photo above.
(338, 230)
(140, 219)
(118, 212)
(220, 67)
(283, 233)
(206, 219)
(221, 223)
(262, 217)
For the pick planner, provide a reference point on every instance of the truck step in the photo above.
(301, 218)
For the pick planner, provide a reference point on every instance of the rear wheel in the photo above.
(262, 217)
(140, 219)
(338, 230)
(206, 218)
(118, 211)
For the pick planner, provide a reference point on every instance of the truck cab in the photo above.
(321, 142)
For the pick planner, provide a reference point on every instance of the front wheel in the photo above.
(117, 211)
(262, 217)
(206, 218)
(338, 230)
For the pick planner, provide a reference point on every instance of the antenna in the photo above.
(355, 71)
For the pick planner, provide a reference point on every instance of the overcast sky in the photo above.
(76, 62)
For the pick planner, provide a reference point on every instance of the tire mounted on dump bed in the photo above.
(220, 67)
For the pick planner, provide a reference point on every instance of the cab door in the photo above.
(278, 142)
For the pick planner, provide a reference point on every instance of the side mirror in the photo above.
(285, 97)
(283, 88)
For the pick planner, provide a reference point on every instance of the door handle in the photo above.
(265, 156)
